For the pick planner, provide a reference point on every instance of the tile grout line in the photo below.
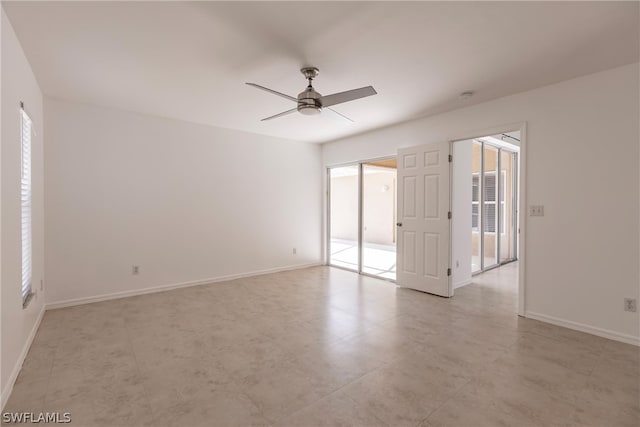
(453, 395)
(345, 385)
(138, 370)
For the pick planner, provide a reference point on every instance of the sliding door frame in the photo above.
(498, 203)
(360, 164)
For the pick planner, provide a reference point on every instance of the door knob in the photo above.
(399, 224)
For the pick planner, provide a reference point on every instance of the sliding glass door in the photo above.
(362, 217)
(508, 206)
(489, 210)
(493, 212)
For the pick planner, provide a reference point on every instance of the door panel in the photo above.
(379, 218)
(431, 252)
(409, 191)
(423, 223)
(507, 203)
(431, 197)
(489, 207)
(343, 217)
(409, 250)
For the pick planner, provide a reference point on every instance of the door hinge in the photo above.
(450, 158)
(448, 272)
(449, 215)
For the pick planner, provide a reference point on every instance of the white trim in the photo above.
(493, 130)
(463, 283)
(162, 288)
(521, 224)
(605, 333)
(23, 354)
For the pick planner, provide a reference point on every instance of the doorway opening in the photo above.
(362, 217)
(485, 202)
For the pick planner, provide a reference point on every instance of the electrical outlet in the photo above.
(295, 251)
(536, 210)
(135, 270)
(630, 305)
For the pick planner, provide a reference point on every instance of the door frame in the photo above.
(522, 197)
(327, 233)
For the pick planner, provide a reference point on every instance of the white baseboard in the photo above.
(463, 283)
(162, 288)
(605, 333)
(23, 354)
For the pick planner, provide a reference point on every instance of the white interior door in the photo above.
(423, 219)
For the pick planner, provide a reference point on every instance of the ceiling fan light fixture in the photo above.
(309, 110)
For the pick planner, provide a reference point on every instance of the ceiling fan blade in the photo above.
(349, 95)
(290, 98)
(284, 113)
(339, 114)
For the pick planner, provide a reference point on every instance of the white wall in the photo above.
(582, 165)
(461, 220)
(18, 324)
(184, 202)
(2, 386)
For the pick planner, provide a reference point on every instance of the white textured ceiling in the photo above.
(189, 61)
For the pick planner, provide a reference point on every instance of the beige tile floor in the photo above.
(324, 347)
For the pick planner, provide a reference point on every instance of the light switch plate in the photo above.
(536, 210)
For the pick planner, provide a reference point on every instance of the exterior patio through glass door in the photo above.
(362, 217)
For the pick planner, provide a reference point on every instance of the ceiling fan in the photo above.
(311, 102)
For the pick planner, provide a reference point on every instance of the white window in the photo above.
(503, 188)
(490, 193)
(475, 202)
(489, 209)
(25, 201)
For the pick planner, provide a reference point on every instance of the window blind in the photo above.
(25, 201)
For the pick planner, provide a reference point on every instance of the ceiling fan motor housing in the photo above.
(308, 102)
